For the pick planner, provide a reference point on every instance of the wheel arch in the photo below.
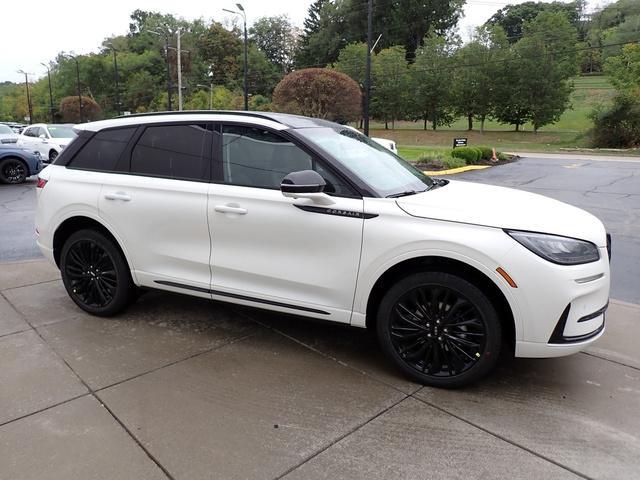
(81, 222)
(21, 160)
(447, 265)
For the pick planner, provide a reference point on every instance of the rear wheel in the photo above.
(439, 329)
(95, 273)
(12, 170)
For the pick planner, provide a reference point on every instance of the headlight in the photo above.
(557, 249)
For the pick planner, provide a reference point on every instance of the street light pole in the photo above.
(26, 83)
(80, 106)
(50, 91)
(179, 62)
(115, 67)
(244, 18)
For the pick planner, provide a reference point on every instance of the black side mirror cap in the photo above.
(305, 181)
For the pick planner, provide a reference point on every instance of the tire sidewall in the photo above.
(125, 287)
(462, 287)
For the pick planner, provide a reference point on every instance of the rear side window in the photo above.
(103, 150)
(181, 152)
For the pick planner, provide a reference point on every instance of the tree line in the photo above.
(516, 69)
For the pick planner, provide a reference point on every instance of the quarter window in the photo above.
(181, 152)
(254, 157)
(103, 150)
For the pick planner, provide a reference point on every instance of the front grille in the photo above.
(9, 140)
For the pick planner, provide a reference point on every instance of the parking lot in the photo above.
(180, 387)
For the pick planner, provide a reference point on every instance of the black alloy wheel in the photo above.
(52, 155)
(95, 273)
(12, 171)
(439, 329)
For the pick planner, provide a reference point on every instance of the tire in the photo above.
(439, 329)
(13, 170)
(52, 155)
(95, 274)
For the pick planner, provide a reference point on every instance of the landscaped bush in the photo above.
(487, 152)
(470, 155)
(618, 126)
(453, 162)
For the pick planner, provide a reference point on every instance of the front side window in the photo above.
(385, 173)
(103, 150)
(254, 157)
(181, 152)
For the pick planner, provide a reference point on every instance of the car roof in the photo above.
(277, 121)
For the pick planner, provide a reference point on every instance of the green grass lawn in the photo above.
(569, 132)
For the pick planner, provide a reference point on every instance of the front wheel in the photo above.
(439, 329)
(95, 273)
(52, 155)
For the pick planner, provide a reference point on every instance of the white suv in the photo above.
(46, 139)
(308, 217)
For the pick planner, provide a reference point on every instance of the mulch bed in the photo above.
(435, 167)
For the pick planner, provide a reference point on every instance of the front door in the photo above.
(281, 253)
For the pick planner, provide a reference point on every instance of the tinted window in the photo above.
(103, 150)
(174, 151)
(29, 132)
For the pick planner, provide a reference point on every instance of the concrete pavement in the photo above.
(179, 387)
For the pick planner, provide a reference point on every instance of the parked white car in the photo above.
(308, 217)
(386, 143)
(47, 139)
(7, 135)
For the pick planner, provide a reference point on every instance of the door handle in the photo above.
(230, 209)
(118, 196)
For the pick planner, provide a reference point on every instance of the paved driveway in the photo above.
(182, 388)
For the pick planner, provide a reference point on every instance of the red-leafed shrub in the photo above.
(70, 113)
(320, 93)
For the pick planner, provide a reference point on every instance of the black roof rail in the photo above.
(264, 116)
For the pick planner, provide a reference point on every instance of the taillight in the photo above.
(41, 182)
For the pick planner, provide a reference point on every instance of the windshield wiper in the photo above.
(402, 194)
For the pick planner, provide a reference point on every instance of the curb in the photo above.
(453, 171)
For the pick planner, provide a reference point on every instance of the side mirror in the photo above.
(305, 184)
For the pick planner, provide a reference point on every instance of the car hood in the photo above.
(502, 207)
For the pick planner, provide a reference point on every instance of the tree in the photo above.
(276, 38)
(536, 82)
(262, 74)
(321, 93)
(352, 60)
(475, 85)
(390, 85)
(221, 49)
(624, 69)
(70, 111)
(513, 17)
(432, 96)
(312, 25)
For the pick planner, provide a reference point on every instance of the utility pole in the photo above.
(166, 56)
(26, 84)
(367, 77)
(115, 67)
(179, 61)
(50, 91)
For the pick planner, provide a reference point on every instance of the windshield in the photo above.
(384, 172)
(4, 129)
(61, 131)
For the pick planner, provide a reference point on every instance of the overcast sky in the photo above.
(47, 28)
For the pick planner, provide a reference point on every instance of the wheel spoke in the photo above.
(91, 273)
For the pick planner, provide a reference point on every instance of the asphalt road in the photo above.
(608, 187)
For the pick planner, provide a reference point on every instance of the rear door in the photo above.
(156, 202)
(281, 253)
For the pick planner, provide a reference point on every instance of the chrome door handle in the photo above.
(230, 209)
(118, 196)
